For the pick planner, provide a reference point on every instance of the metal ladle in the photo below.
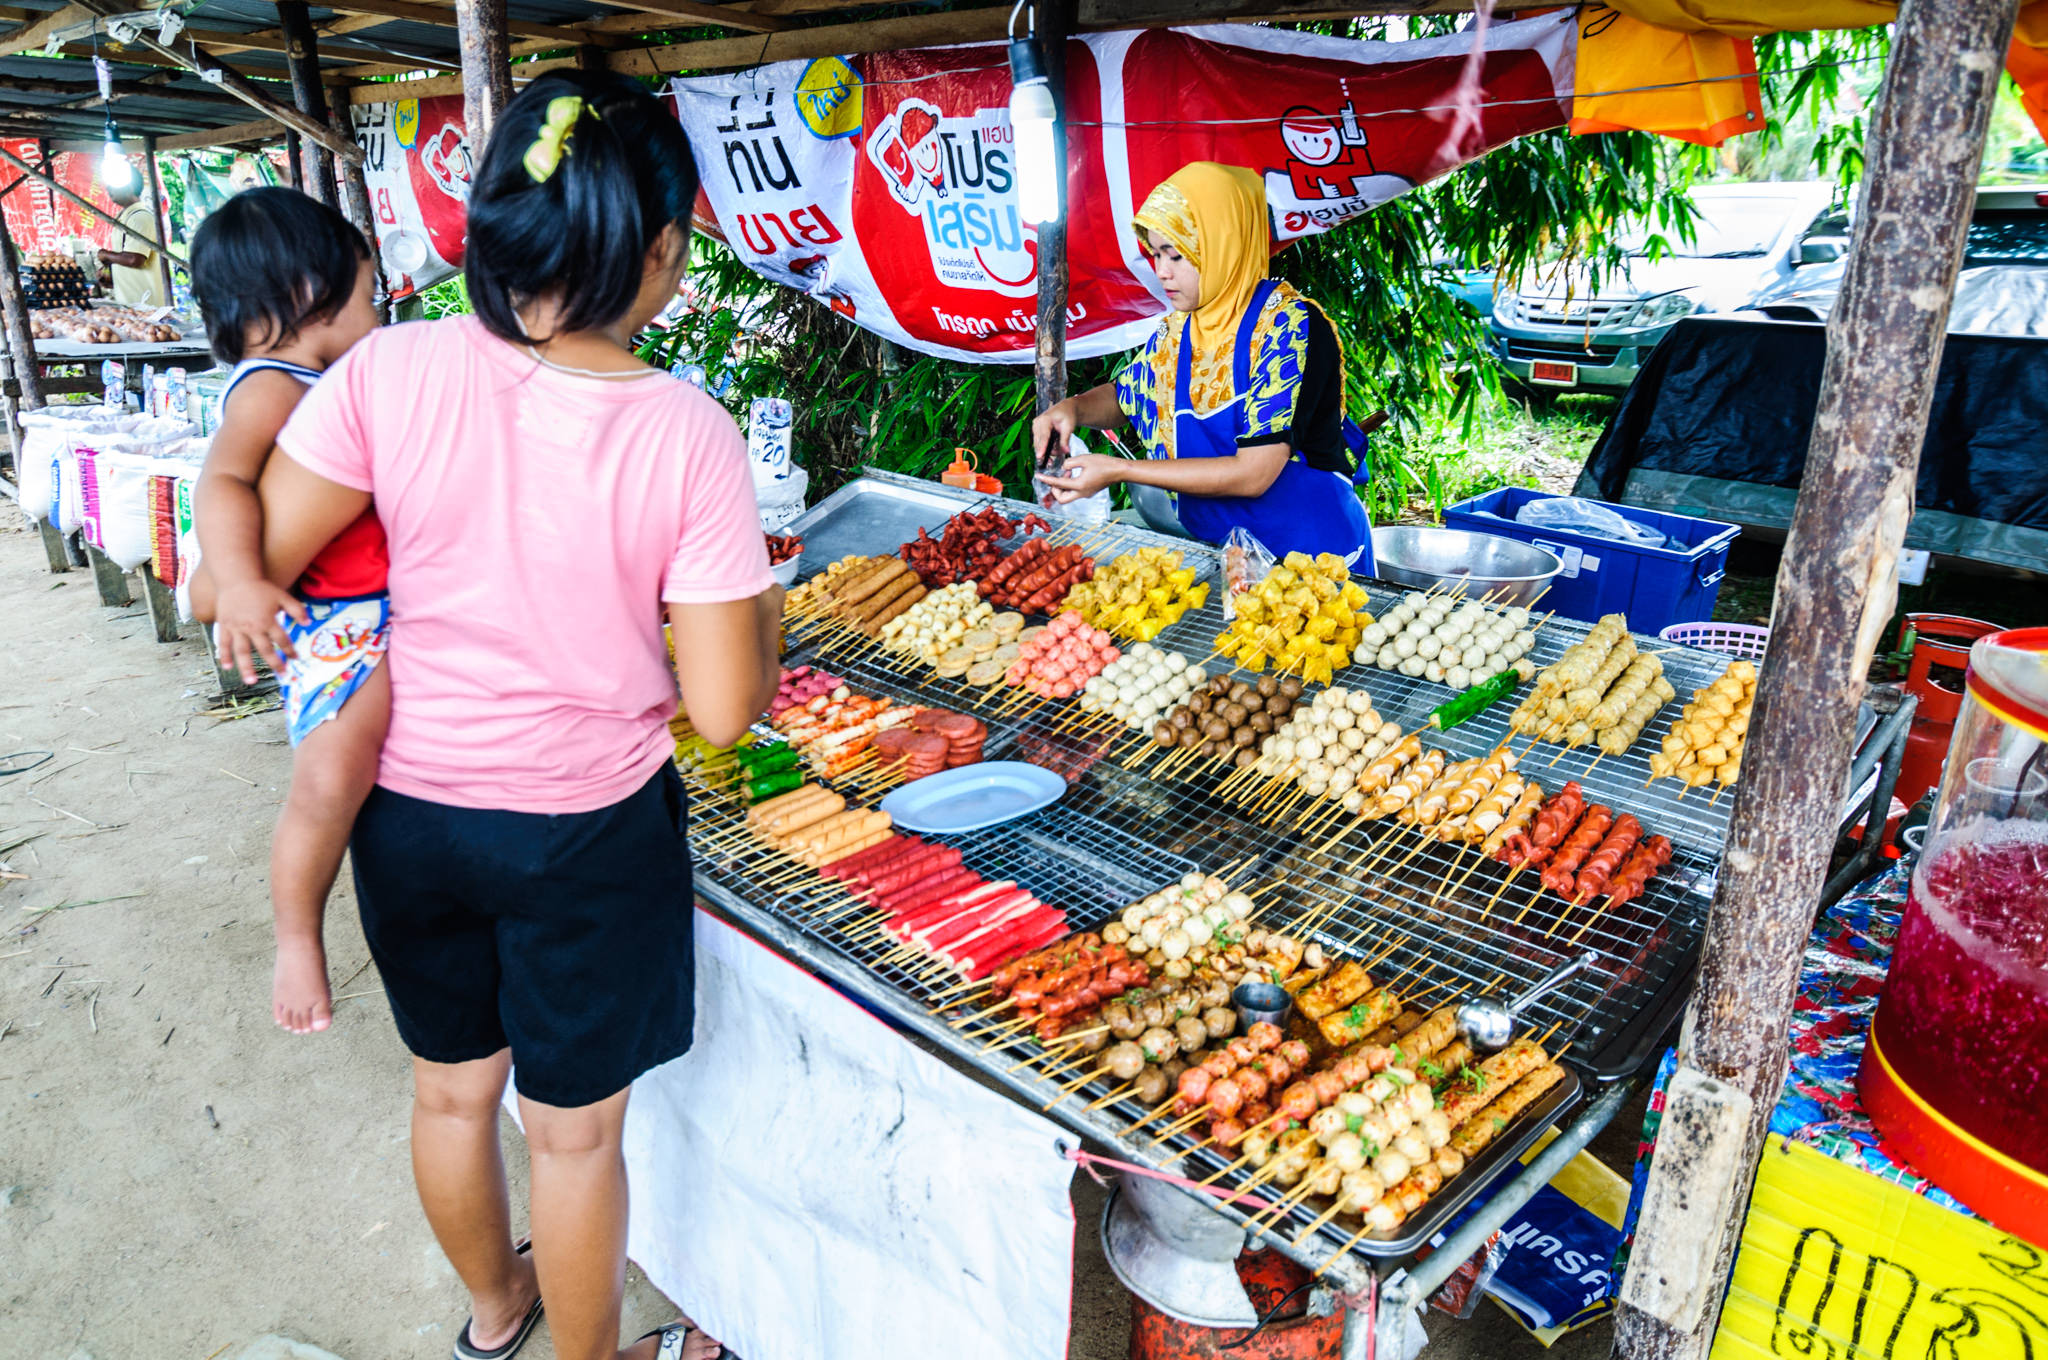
(1487, 1024)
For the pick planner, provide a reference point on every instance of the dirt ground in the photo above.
(177, 1176)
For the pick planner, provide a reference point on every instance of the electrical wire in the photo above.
(955, 73)
(1434, 109)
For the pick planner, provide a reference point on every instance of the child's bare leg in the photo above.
(333, 771)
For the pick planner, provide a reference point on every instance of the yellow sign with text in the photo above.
(1837, 1264)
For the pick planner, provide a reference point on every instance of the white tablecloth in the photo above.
(809, 1186)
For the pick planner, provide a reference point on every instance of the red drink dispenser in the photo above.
(1956, 1071)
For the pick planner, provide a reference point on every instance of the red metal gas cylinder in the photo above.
(1269, 1279)
(1942, 640)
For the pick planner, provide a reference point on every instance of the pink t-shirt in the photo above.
(536, 519)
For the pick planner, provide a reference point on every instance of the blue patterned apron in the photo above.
(1304, 510)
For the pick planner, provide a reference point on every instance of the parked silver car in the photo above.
(1553, 332)
(2002, 290)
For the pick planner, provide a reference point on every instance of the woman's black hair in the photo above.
(582, 233)
(269, 261)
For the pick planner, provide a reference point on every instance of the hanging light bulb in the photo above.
(1033, 120)
(114, 166)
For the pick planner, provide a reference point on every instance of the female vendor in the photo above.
(1238, 397)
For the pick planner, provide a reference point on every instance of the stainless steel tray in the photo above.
(1498, 1158)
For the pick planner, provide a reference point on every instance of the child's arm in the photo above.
(729, 670)
(302, 513)
(235, 596)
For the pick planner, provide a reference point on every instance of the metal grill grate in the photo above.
(1378, 891)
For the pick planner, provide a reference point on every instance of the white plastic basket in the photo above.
(1729, 639)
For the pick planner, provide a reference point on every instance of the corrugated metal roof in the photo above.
(366, 44)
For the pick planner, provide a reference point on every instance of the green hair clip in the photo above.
(551, 143)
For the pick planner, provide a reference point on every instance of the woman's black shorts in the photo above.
(565, 937)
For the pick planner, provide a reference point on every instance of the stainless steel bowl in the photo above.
(1261, 1001)
(1512, 573)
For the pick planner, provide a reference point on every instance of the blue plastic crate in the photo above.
(1655, 587)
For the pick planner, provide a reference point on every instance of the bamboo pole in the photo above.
(152, 185)
(302, 61)
(1049, 360)
(486, 52)
(1837, 585)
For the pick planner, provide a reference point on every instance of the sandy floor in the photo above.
(177, 1176)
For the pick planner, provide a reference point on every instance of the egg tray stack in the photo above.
(55, 283)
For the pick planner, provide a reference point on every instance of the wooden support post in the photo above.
(355, 191)
(1836, 589)
(55, 550)
(355, 195)
(302, 59)
(108, 576)
(1049, 365)
(486, 52)
(20, 381)
(21, 344)
(163, 605)
(294, 161)
(153, 185)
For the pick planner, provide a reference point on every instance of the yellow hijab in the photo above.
(1215, 215)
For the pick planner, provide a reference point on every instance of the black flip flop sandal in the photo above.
(673, 1337)
(465, 1349)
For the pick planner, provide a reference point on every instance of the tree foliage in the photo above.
(1411, 348)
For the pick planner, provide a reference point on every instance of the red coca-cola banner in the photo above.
(885, 185)
(38, 217)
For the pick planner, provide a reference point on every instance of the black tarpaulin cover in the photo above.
(1733, 400)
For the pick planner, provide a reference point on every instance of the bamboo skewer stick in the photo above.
(1266, 1218)
(1342, 1251)
(1530, 905)
(1316, 1226)
(1161, 1109)
(1004, 1033)
(1073, 1086)
(1486, 910)
(988, 1014)
(1118, 1094)
(1476, 865)
(1211, 1180)
(1181, 1125)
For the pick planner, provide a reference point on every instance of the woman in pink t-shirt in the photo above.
(520, 868)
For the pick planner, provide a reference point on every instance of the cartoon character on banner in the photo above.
(907, 150)
(971, 226)
(1328, 175)
(438, 162)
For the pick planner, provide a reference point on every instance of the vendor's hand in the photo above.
(1084, 474)
(1050, 430)
(246, 627)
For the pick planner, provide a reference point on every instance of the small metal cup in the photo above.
(1257, 1001)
